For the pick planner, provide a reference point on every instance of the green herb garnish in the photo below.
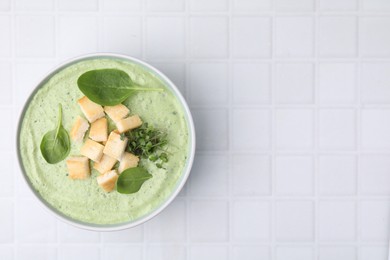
(147, 142)
(55, 144)
(108, 87)
(131, 180)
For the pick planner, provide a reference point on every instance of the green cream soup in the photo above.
(84, 200)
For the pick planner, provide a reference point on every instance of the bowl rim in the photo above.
(181, 182)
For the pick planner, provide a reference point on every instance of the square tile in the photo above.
(294, 128)
(375, 5)
(5, 5)
(337, 253)
(374, 38)
(204, 30)
(166, 253)
(340, 214)
(251, 5)
(208, 221)
(5, 36)
(208, 83)
(251, 175)
(294, 253)
(6, 252)
(375, 128)
(6, 86)
(211, 128)
(250, 253)
(39, 227)
(294, 6)
(169, 225)
(294, 221)
(337, 36)
(38, 5)
(21, 188)
(337, 129)
(34, 36)
(164, 37)
(251, 129)
(294, 175)
(122, 252)
(77, 5)
(121, 5)
(251, 83)
(27, 74)
(374, 224)
(251, 221)
(122, 35)
(36, 252)
(374, 173)
(208, 253)
(131, 235)
(165, 5)
(374, 83)
(7, 130)
(209, 168)
(208, 5)
(294, 83)
(78, 252)
(373, 253)
(337, 175)
(245, 43)
(175, 71)
(294, 36)
(7, 221)
(70, 234)
(337, 83)
(7, 179)
(77, 35)
(338, 5)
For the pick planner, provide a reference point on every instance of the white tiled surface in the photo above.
(291, 104)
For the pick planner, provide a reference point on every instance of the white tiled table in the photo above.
(291, 104)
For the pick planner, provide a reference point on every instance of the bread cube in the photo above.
(79, 128)
(107, 180)
(78, 167)
(127, 161)
(99, 130)
(91, 110)
(115, 146)
(106, 163)
(93, 150)
(128, 123)
(116, 113)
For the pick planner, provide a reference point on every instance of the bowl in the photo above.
(184, 174)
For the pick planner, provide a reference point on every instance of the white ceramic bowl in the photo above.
(184, 175)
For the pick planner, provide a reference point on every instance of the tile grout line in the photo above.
(230, 111)
(272, 207)
(316, 131)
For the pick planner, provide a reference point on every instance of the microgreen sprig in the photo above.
(148, 142)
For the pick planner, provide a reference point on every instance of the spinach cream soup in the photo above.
(84, 200)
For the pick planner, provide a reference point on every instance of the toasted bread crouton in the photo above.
(78, 167)
(107, 180)
(93, 150)
(127, 161)
(79, 128)
(128, 123)
(99, 130)
(116, 113)
(115, 146)
(106, 163)
(91, 110)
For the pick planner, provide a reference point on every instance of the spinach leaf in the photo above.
(108, 87)
(131, 180)
(55, 144)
